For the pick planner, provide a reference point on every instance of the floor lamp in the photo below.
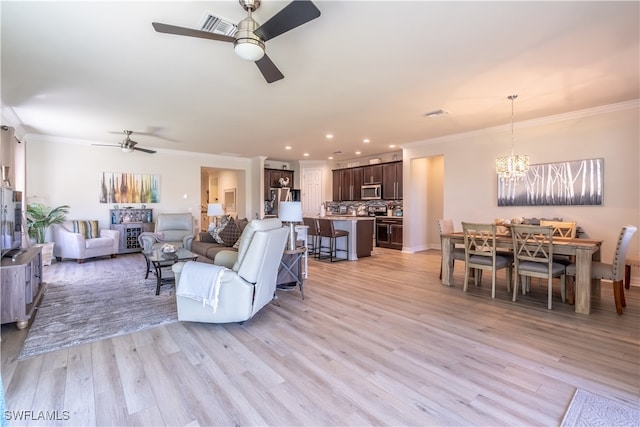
(291, 212)
(215, 210)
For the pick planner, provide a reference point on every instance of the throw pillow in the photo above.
(215, 233)
(88, 229)
(242, 223)
(230, 233)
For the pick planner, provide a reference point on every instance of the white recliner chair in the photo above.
(241, 290)
(170, 228)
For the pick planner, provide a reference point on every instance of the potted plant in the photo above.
(39, 218)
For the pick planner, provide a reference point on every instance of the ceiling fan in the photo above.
(249, 39)
(128, 145)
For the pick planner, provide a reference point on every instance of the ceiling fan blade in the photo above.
(144, 150)
(293, 15)
(182, 31)
(106, 145)
(268, 69)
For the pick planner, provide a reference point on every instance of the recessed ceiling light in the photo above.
(288, 147)
(306, 154)
(329, 136)
(358, 153)
(436, 113)
(392, 146)
(330, 157)
(366, 140)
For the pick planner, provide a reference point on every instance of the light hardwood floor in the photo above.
(375, 342)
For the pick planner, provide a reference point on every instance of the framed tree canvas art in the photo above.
(571, 183)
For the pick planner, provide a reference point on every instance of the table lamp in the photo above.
(291, 212)
(215, 210)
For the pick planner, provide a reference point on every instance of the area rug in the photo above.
(589, 409)
(95, 308)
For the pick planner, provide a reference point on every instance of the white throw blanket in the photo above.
(201, 282)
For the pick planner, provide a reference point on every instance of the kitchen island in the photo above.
(360, 230)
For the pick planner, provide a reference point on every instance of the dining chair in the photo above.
(615, 270)
(561, 228)
(445, 226)
(533, 257)
(480, 254)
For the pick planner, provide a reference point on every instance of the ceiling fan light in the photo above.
(126, 149)
(249, 50)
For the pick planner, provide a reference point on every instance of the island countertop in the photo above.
(345, 217)
(360, 230)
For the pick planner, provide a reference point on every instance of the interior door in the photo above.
(311, 196)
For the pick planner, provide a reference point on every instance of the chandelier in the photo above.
(514, 166)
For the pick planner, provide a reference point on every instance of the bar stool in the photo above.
(312, 234)
(326, 229)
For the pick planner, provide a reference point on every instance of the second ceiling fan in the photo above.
(250, 37)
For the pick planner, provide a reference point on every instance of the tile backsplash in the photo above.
(361, 208)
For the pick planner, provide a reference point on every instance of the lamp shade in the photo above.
(215, 209)
(290, 212)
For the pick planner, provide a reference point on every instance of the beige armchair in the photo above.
(170, 228)
(80, 240)
(242, 290)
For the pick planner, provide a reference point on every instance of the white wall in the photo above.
(65, 173)
(470, 191)
(68, 174)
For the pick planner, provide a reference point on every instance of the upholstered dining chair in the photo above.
(533, 257)
(445, 226)
(480, 254)
(615, 270)
(326, 230)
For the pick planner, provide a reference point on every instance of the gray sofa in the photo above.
(207, 248)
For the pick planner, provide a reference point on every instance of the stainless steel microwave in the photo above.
(371, 192)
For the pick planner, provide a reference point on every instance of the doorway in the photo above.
(216, 186)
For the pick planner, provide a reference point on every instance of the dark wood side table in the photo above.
(160, 260)
(290, 271)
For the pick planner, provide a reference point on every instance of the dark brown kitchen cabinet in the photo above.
(389, 232)
(272, 179)
(392, 181)
(346, 184)
(372, 174)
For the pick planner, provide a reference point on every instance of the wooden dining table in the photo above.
(583, 250)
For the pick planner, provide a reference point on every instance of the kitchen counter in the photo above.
(360, 230)
(347, 217)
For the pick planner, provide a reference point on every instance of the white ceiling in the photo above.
(84, 71)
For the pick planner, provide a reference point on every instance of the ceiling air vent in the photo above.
(218, 25)
(436, 113)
